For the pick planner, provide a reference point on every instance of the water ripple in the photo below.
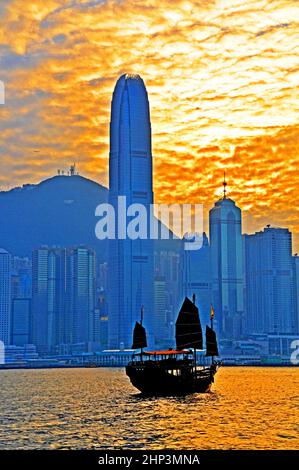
(249, 408)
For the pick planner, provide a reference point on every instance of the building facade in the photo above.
(196, 278)
(63, 297)
(269, 282)
(21, 278)
(5, 296)
(81, 283)
(131, 269)
(296, 289)
(227, 278)
(161, 314)
(21, 321)
(167, 275)
(48, 297)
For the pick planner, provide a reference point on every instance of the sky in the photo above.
(222, 78)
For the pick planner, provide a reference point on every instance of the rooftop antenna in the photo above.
(142, 314)
(73, 169)
(224, 186)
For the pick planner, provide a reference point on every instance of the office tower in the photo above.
(269, 282)
(81, 282)
(161, 315)
(63, 297)
(20, 321)
(196, 277)
(21, 277)
(5, 296)
(296, 291)
(101, 320)
(167, 267)
(102, 278)
(227, 267)
(131, 272)
(48, 297)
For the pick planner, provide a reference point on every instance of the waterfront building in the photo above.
(161, 315)
(21, 277)
(5, 296)
(63, 301)
(269, 282)
(20, 321)
(167, 272)
(296, 290)
(196, 277)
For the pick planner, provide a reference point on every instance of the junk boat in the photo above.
(175, 372)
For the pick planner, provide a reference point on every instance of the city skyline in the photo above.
(149, 231)
(221, 97)
(207, 206)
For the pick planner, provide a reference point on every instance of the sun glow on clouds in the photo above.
(222, 78)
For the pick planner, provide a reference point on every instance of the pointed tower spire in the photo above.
(224, 186)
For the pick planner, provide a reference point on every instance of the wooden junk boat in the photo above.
(175, 372)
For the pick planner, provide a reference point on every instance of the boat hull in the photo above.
(154, 380)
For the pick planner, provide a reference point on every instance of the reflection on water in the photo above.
(249, 408)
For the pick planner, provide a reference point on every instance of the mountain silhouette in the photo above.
(59, 211)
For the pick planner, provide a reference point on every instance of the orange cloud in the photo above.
(222, 79)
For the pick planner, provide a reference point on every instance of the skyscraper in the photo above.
(160, 320)
(5, 271)
(80, 287)
(131, 271)
(296, 290)
(196, 277)
(20, 321)
(63, 297)
(167, 267)
(48, 297)
(269, 282)
(21, 277)
(227, 266)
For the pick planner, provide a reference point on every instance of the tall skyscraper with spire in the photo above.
(227, 270)
(131, 271)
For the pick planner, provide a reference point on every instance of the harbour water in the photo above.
(248, 408)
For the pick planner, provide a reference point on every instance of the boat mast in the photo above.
(212, 318)
(193, 300)
(141, 320)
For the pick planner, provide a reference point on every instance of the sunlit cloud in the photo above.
(222, 78)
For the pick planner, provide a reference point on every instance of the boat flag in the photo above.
(212, 314)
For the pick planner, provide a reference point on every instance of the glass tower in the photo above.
(63, 297)
(196, 278)
(226, 247)
(131, 271)
(296, 291)
(269, 282)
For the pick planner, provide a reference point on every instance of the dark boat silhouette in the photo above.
(175, 372)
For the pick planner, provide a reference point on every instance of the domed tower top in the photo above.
(130, 138)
